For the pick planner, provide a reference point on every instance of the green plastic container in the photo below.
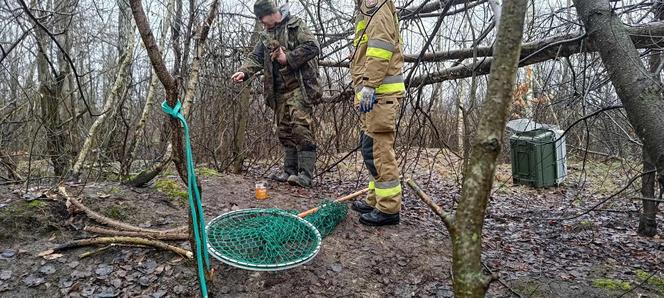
(538, 158)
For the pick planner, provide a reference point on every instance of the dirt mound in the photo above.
(24, 220)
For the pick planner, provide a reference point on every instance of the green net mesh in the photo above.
(328, 217)
(271, 239)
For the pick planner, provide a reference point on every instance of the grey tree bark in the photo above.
(171, 87)
(147, 110)
(647, 218)
(640, 94)
(469, 280)
(51, 82)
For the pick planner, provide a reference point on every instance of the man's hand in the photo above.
(279, 55)
(367, 99)
(238, 77)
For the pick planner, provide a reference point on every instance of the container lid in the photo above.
(527, 124)
(534, 135)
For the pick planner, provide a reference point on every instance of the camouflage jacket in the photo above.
(301, 52)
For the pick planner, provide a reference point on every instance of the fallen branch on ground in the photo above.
(94, 252)
(447, 218)
(159, 236)
(124, 240)
(114, 223)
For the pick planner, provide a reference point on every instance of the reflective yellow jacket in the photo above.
(378, 59)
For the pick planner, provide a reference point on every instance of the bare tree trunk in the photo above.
(148, 174)
(169, 82)
(460, 119)
(187, 38)
(469, 280)
(199, 51)
(171, 86)
(147, 108)
(138, 131)
(49, 103)
(648, 216)
(640, 94)
(64, 23)
(111, 105)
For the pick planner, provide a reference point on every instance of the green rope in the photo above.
(202, 258)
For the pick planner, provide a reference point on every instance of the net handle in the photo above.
(342, 199)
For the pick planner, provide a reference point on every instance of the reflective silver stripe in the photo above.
(372, 10)
(387, 184)
(393, 79)
(377, 43)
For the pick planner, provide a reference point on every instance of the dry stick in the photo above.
(111, 222)
(159, 236)
(124, 240)
(342, 199)
(94, 252)
(447, 218)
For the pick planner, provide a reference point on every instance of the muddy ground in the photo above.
(534, 251)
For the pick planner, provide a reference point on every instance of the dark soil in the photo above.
(533, 253)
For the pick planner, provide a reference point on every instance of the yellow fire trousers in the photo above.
(377, 144)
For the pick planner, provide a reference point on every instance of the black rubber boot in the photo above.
(361, 206)
(306, 161)
(377, 218)
(290, 165)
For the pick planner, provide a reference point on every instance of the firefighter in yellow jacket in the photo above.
(376, 67)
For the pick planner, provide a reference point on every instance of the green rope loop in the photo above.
(174, 111)
(202, 258)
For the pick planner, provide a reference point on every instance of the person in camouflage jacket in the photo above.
(287, 54)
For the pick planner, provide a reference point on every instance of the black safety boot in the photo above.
(290, 165)
(361, 206)
(377, 218)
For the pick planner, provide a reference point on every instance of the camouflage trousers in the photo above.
(295, 122)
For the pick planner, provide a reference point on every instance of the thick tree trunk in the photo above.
(49, 90)
(648, 216)
(640, 94)
(469, 280)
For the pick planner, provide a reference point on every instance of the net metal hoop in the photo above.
(264, 267)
